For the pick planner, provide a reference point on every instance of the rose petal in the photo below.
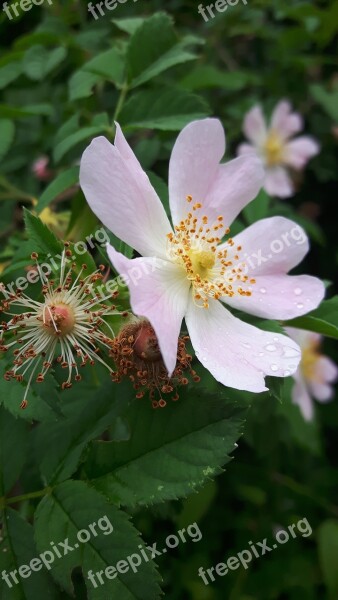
(325, 370)
(159, 291)
(120, 194)
(280, 296)
(301, 397)
(236, 184)
(278, 183)
(285, 122)
(254, 126)
(270, 246)
(194, 163)
(299, 151)
(237, 354)
(246, 149)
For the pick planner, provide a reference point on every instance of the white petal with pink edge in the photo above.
(246, 149)
(237, 354)
(278, 183)
(159, 291)
(120, 194)
(270, 246)
(301, 397)
(254, 126)
(284, 121)
(237, 183)
(299, 151)
(194, 164)
(280, 296)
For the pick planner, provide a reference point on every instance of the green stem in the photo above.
(302, 490)
(120, 102)
(16, 499)
(13, 192)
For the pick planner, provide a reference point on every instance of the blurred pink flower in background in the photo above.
(315, 374)
(275, 146)
(196, 270)
(40, 168)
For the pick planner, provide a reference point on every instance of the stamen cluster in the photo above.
(137, 356)
(214, 273)
(69, 324)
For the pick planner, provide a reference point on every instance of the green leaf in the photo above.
(109, 64)
(328, 552)
(29, 110)
(9, 71)
(75, 138)
(258, 208)
(39, 62)
(154, 48)
(328, 100)
(44, 240)
(11, 396)
(17, 548)
(128, 25)
(170, 453)
(323, 320)
(60, 445)
(7, 131)
(61, 183)
(74, 506)
(208, 76)
(13, 449)
(169, 110)
(81, 84)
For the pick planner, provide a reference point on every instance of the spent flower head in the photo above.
(137, 355)
(67, 324)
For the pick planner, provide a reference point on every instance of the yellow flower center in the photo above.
(273, 149)
(310, 356)
(213, 272)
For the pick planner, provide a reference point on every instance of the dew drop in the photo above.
(300, 305)
(287, 373)
(245, 344)
(270, 347)
(298, 291)
(261, 354)
(262, 290)
(274, 367)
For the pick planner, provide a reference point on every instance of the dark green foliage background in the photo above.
(55, 96)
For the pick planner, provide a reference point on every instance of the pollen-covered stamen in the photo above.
(214, 273)
(137, 356)
(69, 324)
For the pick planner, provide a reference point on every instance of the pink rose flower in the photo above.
(314, 375)
(189, 271)
(275, 146)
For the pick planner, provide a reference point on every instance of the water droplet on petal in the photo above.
(287, 373)
(300, 305)
(270, 347)
(274, 367)
(261, 354)
(262, 290)
(298, 291)
(245, 344)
